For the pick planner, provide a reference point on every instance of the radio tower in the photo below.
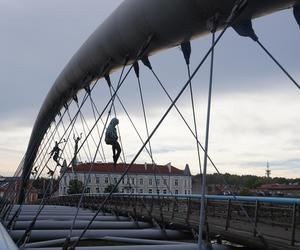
(268, 171)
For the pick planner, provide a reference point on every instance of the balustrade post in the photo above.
(187, 219)
(228, 215)
(294, 219)
(256, 218)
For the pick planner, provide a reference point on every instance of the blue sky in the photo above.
(255, 109)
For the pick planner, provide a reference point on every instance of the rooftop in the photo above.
(134, 169)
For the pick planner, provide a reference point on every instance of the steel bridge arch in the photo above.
(124, 32)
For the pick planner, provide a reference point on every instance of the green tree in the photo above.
(109, 188)
(75, 187)
(245, 192)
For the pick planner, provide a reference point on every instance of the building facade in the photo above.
(141, 178)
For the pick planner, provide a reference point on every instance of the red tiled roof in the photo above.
(120, 168)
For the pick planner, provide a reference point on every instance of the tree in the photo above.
(75, 187)
(109, 188)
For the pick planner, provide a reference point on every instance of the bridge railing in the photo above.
(278, 219)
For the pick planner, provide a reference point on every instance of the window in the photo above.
(106, 180)
(141, 191)
(158, 181)
(97, 179)
(115, 180)
(65, 180)
(185, 183)
(141, 181)
(88, 179)
(185, 192)
(150, 182)
(176, 182)
(87, 190)
(165, 181)
(123, 181)
(150, 191)
(157, 191)
(122, 191)
(65, 190)
(164, 191)
(97, 190)
(176, 191)
(132, 181)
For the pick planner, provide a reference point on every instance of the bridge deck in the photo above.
(277, 220)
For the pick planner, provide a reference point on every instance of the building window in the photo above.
(115, 180)
(176, 191)
(141, 191)
(157, 191)
(123, 181)
(65, 190)
(87, 190)
(150, 191)
(141, 181)
(185, 183)
(164, 191)
(176, 182)
(189, 191)
(65, 180)
(97, 190)
(122, 191)
(97, 179)
(165, 181)
(158, 181)
(185, 192)
(132, 181)
(150, 182)
(106, 179)
(88, 179)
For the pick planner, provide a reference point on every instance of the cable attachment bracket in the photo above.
(296, 12)
(245, 29)
(237, 10)
(186, 50)
(75, 98)
(88, 90)
(146, 62)
(107, 79)
(213, 23)
(136, 69)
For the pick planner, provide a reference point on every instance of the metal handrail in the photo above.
(6, 243)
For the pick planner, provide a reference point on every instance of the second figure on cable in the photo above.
(111, 138)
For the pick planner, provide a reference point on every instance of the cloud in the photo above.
(255, 109)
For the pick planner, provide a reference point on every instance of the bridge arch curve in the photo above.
(122, 35)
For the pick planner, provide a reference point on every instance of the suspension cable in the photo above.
(142, 141)
(98, 131)
(92, 165)
(202, 208)
(25, 236)
(160, 121)
(278, 64)
(245, 28)
(115, 113)
(186, 49)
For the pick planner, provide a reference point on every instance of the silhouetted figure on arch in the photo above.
(111, 138)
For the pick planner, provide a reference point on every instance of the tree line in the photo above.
(247, 181)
